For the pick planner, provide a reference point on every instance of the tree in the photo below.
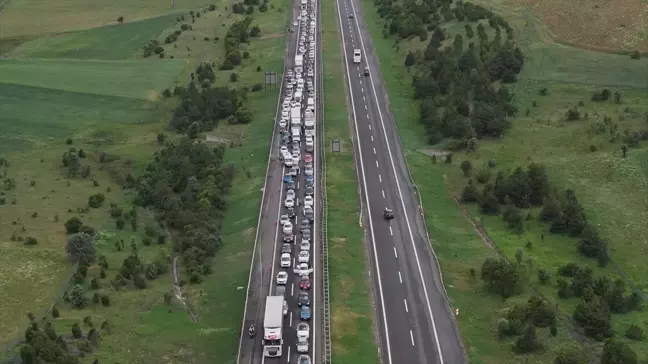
(469, 193)
(120, 19)
(570, 353)
(234, 77)
(77, 297)
(80, 248)
(528, 342)
(120, 222)
(28, 354)
(193, 130)
(410, 60)
(616, 352)
(139, 281)
(73, 224)
(105, 300)
(466, 167)
(77, 333)
(634, 332)
(595, 318)
(55, 312)
(255, 31)
(543, 276)
(501, 277)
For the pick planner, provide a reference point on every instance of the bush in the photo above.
(105, 300)
(139, 282)
(634, 332)
(31, 241)
(257, 87)
(96, 200)
(72, 225)
(234, 77)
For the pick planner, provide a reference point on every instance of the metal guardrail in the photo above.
(327, 352)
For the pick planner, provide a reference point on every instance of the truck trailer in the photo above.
(273, 327)
(299, 60)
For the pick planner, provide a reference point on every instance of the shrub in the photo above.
(96, 200)
(31, 241)
(72, 225)
(257, 87)
(234, 77)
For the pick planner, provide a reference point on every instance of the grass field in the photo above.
(106, 99)
(611, 188)
(351, 312)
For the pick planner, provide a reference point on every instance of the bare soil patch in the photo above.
(595, 24)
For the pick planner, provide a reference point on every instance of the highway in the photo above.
(265, 263)
(415, 322)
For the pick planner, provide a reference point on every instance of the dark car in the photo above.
(389, 214)
(308, 214)
(286, 248)
(289, 238)
(366, 71)
(310, 191)
(303, 300)
(304, 224)
(350, 16)
(291, 185)
(291, 212)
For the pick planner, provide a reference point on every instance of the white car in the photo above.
(288, 228)
(310, 143)
(283, 124)
(296, 156)
(305, 245)
(295, 24)
(311, 54)
(285, 260)
(282, 278)
(310, 72)
(303, 257)
(302, 345)
(284, 219)
(308, 201)
(289, 202)
(285, 112)
(303, 331)
(283, 150)
(290, 193)
(308, 171)
(303, 269)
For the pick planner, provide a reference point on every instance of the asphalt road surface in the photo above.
(415, 322)
(266, 258)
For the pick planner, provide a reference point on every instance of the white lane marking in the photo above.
(361, 84)
(292, 286)
(380, 178)
(294, 262)
(372, 139)
(364, 183)
(362, 90)
(404, 300)
(412, 337)
(400, 277)
(290, 324)
(369, 126)
(366, 107)
(298, 185)
(377, 165)
(400, 193)
(391, 232)
(288, 360)
(395, 254)
(367, 116)
(364, 98)
(383, 193)
(374, 150)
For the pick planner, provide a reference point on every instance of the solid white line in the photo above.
(380, 178)
(383, 193)
(395, 254)
(404, 300)
(315, 172)
(391, 232)
(364, 183)
(400, 277)
(412, 337)
(409, 228)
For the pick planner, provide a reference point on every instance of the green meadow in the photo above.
(78, 74)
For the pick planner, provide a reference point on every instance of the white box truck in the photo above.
(309, 122)
(295, 116)
(299, 60)
(273, 327)
(357, 57)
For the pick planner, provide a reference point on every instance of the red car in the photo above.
(305, 283)
(308, 158)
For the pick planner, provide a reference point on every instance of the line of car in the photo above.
(296, 226)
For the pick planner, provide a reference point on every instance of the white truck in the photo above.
(357, 57)
(309, 122)
(299, 60)
(295, 116)
(273, 327)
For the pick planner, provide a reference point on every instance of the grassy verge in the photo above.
(351, 321)
(123, 120)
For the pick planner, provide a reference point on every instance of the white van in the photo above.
(298, 96)
(311, 103)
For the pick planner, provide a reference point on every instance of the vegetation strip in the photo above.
(351, 312)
